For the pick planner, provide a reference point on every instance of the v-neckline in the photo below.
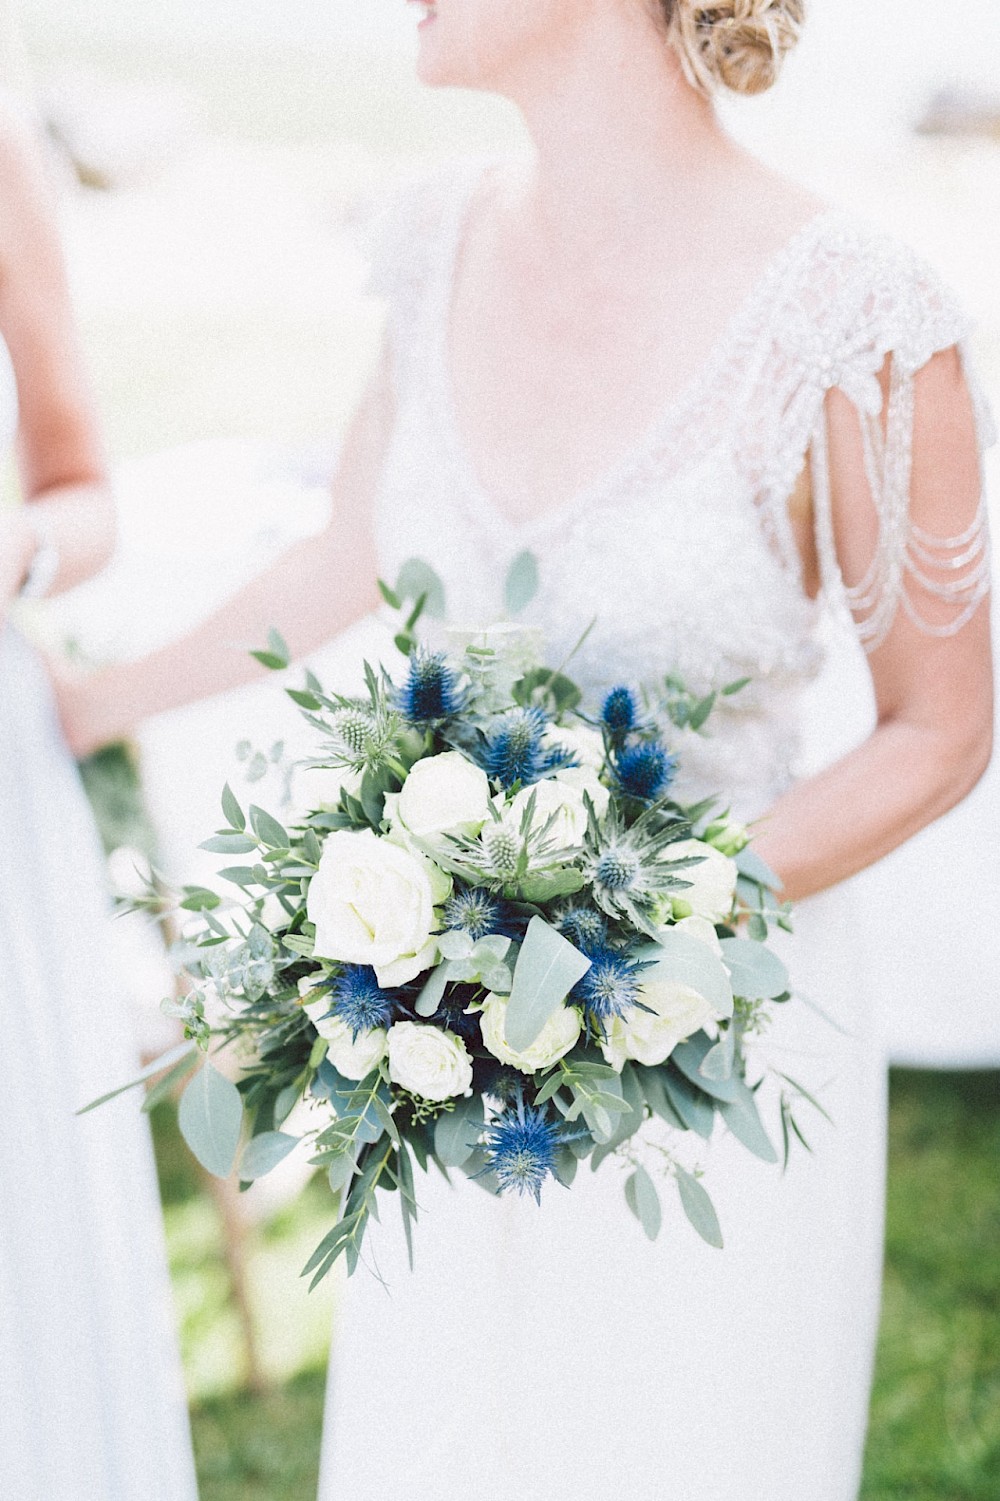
(669, 415)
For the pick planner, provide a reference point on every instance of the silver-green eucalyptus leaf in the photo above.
(210, 1117)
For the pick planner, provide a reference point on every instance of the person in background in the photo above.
(93, 1404)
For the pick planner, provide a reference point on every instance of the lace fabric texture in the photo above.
(683, 549)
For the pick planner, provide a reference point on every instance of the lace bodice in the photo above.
(681, 553)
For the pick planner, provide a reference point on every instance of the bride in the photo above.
(718, 412)
(93, 1399)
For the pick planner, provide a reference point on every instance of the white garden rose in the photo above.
(353, 1058)
(584, 780)
(675, 1012)
(712, 881)
(560, 1033)
(580, 740)
(428, 1062)
(373, 903)
(443, 794)
(563, 801)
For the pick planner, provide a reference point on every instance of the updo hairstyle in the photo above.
(738, 45)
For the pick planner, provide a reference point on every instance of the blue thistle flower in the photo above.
(474, 911)
(431, 691)
(644, 771)
(617, 869)
(452, 1012)
(609, 988)
(585, 928)
(357, 999)
(504, 1083)
(521, 1147)
(620, 713)
(514, 749)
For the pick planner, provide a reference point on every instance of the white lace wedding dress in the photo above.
(555, 1354)
(92, 1403)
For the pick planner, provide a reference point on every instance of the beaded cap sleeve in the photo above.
(867, 307)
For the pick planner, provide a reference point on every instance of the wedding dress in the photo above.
(555, 1354)
(93, 1405)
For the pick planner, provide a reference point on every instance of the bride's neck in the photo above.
(618, 132)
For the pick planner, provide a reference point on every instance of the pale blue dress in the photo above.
(92, 1402)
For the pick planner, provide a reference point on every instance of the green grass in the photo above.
(935, 1430)
(935, 1433)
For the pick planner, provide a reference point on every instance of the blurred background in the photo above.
(216, 159)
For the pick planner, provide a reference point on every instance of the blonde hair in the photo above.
(738, 45)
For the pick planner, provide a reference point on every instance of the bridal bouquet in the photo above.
(493, 940)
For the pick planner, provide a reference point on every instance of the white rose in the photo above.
(557, 800)
(373, 903)
(675, 1012)
(712, 880)
(583, 780)
(580, 740)
(560, 1033)
(319, 787)
(354, 1059)
(428, 1062)
(443, 794)
(702, 929)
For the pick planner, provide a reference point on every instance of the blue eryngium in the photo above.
(610, 987)
(584, 927)
(357, 999)
(515, 752)
(644, 771)
(521, 1147)
(431, 690)
(475, 911)
(620, 713)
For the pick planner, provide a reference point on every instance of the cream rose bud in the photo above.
(373, 903)
(560, 1033)
(443, 794)
(428, 1062)
(580, 740)
(354, 1058)
(675, 1012)
(712, 881)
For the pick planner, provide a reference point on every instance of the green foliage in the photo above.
(276, 656)
(112, 781)
(418, 581)
(699, 1208)
(644, 1201)
(521, 584)
(547, 968)
(211, 1119)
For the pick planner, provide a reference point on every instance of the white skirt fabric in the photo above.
(555, 1354)
(93, 1405)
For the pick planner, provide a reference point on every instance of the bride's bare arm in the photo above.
(61, 465)
(314, 590)
(934, 695)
